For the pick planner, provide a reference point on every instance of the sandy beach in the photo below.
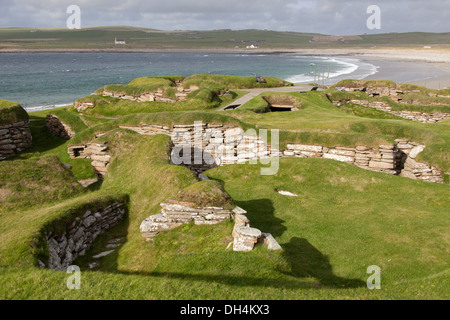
(425, 67)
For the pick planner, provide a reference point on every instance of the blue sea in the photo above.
(55, 79)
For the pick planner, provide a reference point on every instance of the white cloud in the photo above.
(321, 16)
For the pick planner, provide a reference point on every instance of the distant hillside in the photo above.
(101, 38)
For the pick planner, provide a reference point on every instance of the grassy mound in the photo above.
(11, 112)
(232, 82)
(207, 193)
(33, 182)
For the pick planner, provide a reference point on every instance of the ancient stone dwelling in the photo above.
(15, 136)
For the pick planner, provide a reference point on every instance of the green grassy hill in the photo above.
(343, 220)
(142, 38)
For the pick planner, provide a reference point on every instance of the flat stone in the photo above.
(287, 193)
(103, 254)
(239, 210)
(416, 150)
(248, 232)
(270, 241)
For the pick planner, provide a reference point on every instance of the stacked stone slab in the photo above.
(58, 128)
(392, 159)
(97, 152)
(177, 213)
(214, 144)
(413, 169)
(14, 138)
(158, 95)
(424, 117)
(80, 233)
(81, 106)
(245, 237)
(210, 145)
(382, 159)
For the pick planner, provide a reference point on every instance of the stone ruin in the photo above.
(14, 138)
(80, 233)
(58, 128)
(176, 213)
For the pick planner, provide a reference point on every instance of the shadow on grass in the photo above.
(43, 140)
(308, 267)
(261, 215)
(307, 261)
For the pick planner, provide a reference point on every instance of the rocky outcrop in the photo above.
(58, 128)
(14, 138)
(78, 236)
(177, 213)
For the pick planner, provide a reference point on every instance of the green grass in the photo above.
(11, 112)
(344, 219)
(96, 38)
(30, 183)
(232, 82)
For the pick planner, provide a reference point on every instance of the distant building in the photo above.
(119, 41)
(253, 46)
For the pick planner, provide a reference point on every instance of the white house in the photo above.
(119, 41)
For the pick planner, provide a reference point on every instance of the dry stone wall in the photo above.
(14, 138)
(158, 95)
(413, 169)
(218, 143)
(226, 144)
(97, 152)
(65, 247)
(176, 213)
(418, 116)
(58, 128)
(392, 159)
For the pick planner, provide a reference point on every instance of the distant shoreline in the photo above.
(403, 54)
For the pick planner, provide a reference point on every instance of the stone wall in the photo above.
(14, 138)
(58, 128)
(245, 237)
(79, 235)
(413, 169)
(176, 213)
(392, 159)
(220, 144)
(418, 116)
(226, 144)
(97, 152)
(158, 95)
(385, 158)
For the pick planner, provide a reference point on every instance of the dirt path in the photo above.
(255, 92)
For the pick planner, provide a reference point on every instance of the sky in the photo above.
(336, 17)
